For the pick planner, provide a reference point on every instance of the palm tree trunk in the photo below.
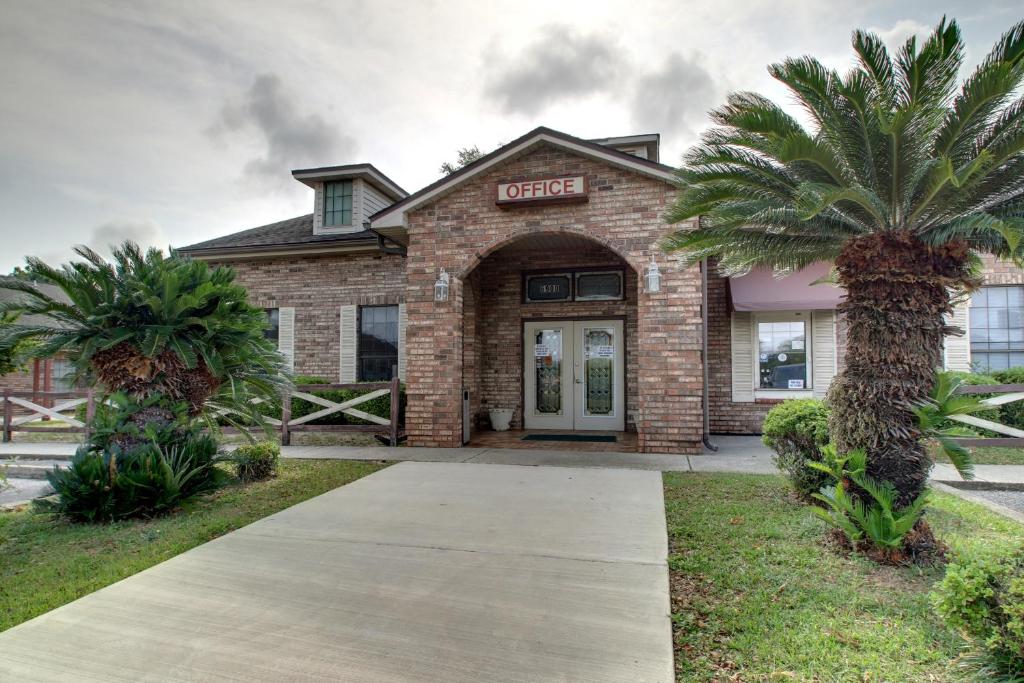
(897, 297)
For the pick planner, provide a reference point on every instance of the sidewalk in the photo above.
(743, 454)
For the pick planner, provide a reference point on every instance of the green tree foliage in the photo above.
(171, 344)
(467, 155)
(902, 178)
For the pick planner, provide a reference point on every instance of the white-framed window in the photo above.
(997, 327)
(782, 354)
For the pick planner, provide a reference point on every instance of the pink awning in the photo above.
(760, 290)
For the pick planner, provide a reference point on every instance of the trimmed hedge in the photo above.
(797, 430)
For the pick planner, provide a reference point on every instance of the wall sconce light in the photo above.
(441, 286)
(652, 277)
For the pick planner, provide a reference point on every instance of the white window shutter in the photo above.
(349, 342)
(823, 351)
(957, 350)
(743, 370)
(401, 341)
(286, 335)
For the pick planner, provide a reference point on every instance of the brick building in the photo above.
(532, 280)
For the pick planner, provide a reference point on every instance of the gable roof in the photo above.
(282, 235)
(394, 215)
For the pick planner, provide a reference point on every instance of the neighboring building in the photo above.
(547, 242)
(51, 374)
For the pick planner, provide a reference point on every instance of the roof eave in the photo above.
(369, 173)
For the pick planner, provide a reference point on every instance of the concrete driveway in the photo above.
(420, 572)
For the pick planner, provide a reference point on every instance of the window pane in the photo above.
(378, 342)
(782, 355)
(273, 324)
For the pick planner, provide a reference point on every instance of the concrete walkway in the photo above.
(420, 572)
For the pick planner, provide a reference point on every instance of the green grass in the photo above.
(757, 595)
(46, 562)
(995, 456)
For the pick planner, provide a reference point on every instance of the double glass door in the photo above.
(573, 372)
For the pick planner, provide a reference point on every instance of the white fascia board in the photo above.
(367, 173)
(396, 218)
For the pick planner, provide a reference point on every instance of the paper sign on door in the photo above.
(541, 350)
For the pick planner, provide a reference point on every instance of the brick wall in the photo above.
(499, 329)
(317, 286)
(745, 418)
(623, 213)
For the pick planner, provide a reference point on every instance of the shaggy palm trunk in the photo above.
(897, 297)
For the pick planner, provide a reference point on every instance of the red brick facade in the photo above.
(459, 231)
(317, 286)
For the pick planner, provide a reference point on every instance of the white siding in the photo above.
(286, 335)
(373, 201)
(823, 351)
(349, 341)
(957, 351)
(742, 357)
(401, 341)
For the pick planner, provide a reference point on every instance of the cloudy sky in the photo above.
(175, 122)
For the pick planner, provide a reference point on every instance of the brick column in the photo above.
(670, 379)
(433, 415)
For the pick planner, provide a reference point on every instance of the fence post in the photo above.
(395, 400)
(90, 412)
(286, 416)
(8, 415)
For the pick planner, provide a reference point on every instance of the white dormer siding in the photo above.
(365, 201)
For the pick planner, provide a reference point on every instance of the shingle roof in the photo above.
(288, 233)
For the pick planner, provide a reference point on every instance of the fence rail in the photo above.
(1011, 437)
(62, 406)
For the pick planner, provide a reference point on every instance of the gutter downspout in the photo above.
(382, 242)
(706, 436)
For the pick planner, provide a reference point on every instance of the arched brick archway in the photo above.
(623, 214)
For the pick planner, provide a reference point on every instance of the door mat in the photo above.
(596, 438)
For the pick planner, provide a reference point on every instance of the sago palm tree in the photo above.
(902, 177)
(152, 328)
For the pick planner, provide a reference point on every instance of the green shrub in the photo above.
(144, 481)
(797, 430)
(983, 598)
(257, 461)
(1011, 414)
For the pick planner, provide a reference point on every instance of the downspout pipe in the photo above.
(706, 436)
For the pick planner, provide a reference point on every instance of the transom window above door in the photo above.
(584, 284)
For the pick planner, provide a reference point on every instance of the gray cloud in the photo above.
(145, 233)
(292, 138)
(559, 65)
(675, 98)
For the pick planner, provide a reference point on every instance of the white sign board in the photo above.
(602, 351)
(541, 351)
(796, 384)
(544, 190)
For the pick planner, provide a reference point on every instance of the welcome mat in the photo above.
(597, 438)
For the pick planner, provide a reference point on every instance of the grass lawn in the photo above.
(46, 562)
(995, 456)
(757, 597)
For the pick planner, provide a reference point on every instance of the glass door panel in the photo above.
(599, 361)
(598, 371)
(548, 375)
(547, 353)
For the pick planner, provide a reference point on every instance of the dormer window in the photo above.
(338, 203)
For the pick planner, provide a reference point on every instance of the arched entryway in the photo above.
(549, 324)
